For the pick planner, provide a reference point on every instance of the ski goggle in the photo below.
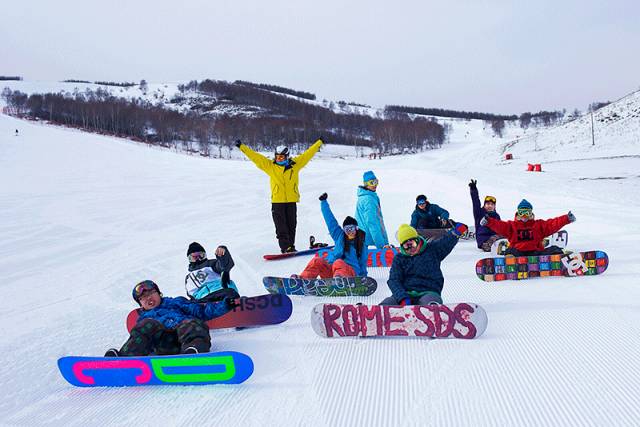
(143, 287)
(197, 256)
(350, 228)
(280, 157)
(524, 213)
(422, 202)
(410, 244)
(371, 182)
(490, 199)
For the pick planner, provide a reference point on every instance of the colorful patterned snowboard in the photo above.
(559, 239)
(377, 257)
(227, 367)
(251, 311)
(334, 287)
(519, 268)
(273, 257)
(436, 233)
(461, 320)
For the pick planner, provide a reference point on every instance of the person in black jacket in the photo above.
(209, 279)
(484, 235)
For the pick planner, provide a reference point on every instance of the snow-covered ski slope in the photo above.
(84, 217)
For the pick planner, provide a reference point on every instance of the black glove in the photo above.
(473, 183)
(231, 303)
(238, 143)
(323, 196)
(571, 216)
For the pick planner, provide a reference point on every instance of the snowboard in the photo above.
(459, 320)
(251, 311)
(333, 287)
(226, 367)
(436, 233)
(559, 239)
(519, 268)
(376, 257)
(272, 257)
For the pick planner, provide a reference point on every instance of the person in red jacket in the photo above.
(526, 234)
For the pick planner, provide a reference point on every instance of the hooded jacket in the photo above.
(369, 217)
(420, 273)
(529, 235)
(359, 264)
(428, 218)
(283, 179)
(172, 311)
(483, 233)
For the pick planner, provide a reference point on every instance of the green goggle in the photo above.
(525, 213)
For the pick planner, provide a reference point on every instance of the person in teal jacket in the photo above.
(349, 255)
(369, 213)
(429, 215)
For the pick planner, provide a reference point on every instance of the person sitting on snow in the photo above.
(526, 234)
(415, 277)
(348, 258)
(169, 325)
(208, 279)
(429, 215)
(485, 237)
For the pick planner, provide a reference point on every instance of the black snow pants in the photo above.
(151, 337)
(285, 220)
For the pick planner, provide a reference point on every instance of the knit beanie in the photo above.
(195, 247)
(524, 204)
(349, 221)
(368, 176)
(406, 232)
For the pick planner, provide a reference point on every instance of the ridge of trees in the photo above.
(17, 78)
(440, 112)
(75, 81)
(120, 84)
(288, 121)
(279, 89)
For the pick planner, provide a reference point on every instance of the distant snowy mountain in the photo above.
(616, 132)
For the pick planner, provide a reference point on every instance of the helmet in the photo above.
(140, 288)
(282, 149)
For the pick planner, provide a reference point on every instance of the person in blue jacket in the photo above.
(484, 235)
(369, 212)
(169, 325)
(348, 258)
(429, 215)
(415, 277)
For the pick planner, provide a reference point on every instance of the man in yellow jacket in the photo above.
(283, 175)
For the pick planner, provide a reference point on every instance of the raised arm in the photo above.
(332, 223)
(502, 228)
(260, 161)
(304, 158)
(553, 225)
(475, 201)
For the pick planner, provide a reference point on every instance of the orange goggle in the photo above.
(490, 199)
(371, 183)
(524, 213)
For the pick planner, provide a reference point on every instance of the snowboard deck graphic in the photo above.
(458, 320)
(436, 233)
(272, 257)
(227, 367)
(559, 239)
(260, 310)
(376, 257)
(333, 287)
(588, 263)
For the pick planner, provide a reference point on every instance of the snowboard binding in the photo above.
(313, 244)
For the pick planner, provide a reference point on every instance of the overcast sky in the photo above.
(492, 56)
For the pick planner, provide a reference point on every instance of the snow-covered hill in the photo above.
(84, 217)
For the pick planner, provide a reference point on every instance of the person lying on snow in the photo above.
(208, 280)
(415, 277)
(429, 215)
(169, 325)
(485, 237)
(526, 234)
(348, 258)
